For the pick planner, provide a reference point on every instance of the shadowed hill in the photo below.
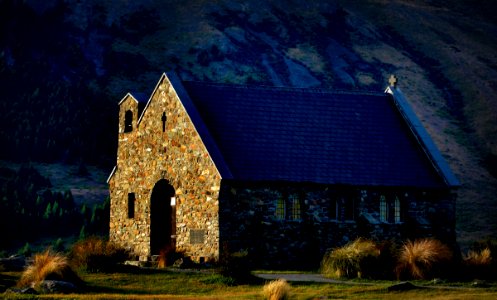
(65, 64)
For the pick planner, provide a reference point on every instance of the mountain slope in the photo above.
(65, 65)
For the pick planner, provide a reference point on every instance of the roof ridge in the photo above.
(287, 88)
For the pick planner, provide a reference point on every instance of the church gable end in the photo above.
(162, 160)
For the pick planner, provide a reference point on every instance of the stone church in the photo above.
(283, 173)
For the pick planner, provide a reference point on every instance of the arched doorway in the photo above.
(162, 217)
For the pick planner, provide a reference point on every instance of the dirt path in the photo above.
(304, 277)
(307, 278)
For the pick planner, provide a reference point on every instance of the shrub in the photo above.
(276, 290)
(478, 264)
(350, 260)
(95, 254)
(48, 266)
(25, 250)
(422, 259)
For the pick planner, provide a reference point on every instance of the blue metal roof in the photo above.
(423, 137)
(305, 135)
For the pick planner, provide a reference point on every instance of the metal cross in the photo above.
(392, 80)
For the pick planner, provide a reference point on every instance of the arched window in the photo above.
(163, 119)
(383, 209)
(128, 121)
(397, 210)
(280, 208)
(349, 207)
(295, 205)
(333, 211)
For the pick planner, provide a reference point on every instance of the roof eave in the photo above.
(423, 137)
(111, 174)
(125, 97)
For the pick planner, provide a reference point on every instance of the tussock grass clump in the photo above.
(478, 264)
(95, 254)
(479, 258)
(48, 266)
(422, 259)
(350, 260)
(276, 290)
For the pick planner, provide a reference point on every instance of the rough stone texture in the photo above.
(214, 215)
(147, 155)
(249, 221)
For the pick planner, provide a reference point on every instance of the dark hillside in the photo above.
(64, 65)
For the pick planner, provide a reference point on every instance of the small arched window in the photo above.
(383, 209)
(128, 121)
(280, 208)
(397, 210)
(295, 204)
(163, 119)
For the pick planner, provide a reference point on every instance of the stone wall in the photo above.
(249, 220)
(177, 154)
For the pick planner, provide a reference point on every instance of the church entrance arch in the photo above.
(162, 217)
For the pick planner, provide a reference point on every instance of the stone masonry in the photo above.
(279, 223)
(147, 154)
(250, 222)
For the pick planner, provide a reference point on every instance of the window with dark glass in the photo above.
(397, 215)
(383, 209)
(163, 119)
(280, 208)
(294, 202)
(390, 209)
(128, 121)
(349, 209)
(333, 209)
(131, 205)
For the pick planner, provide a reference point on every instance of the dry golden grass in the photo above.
(276, 290)
(417, 259)
(479, 258)
(348, 260)
(48, 265)
(95, 254)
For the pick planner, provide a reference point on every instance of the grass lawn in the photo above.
(160, 284)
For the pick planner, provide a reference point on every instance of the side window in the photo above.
(333, 208)
(390, 209)
(349, 209)
(128, 121)
(280, 208)
(294, 202)
(397, 210)
(383, 209)
(131, 205)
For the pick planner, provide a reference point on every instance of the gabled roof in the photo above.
(422, 136)
(310, 135)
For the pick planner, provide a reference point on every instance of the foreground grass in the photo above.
(159, 284)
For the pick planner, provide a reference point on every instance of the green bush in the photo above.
(95, 254)
(351, 260)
